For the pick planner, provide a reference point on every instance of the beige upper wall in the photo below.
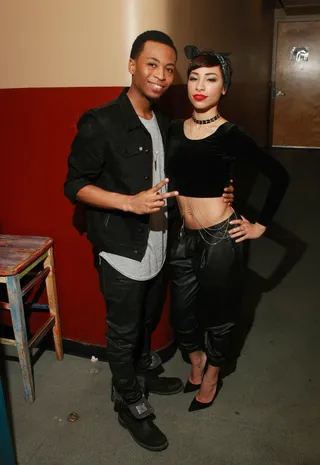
(77, 43)
(69, 43)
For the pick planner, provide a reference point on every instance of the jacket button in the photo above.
(140, 149)
(135, 251)
(147, 150)
(146, 178)
(140, 230)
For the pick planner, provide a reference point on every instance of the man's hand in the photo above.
(228, 196)
(149, 201)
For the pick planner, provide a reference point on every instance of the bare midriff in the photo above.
(201, 213)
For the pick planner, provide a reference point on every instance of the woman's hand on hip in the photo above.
(243, 230)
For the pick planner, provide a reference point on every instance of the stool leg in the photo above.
(20, 334)
(53, 304)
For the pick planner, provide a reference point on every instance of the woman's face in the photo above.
(205, 87)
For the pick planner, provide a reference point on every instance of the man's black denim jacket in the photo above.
(113, 150)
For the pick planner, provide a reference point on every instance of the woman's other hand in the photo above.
(245, 230)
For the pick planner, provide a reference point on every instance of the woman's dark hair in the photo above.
(209, 60)
(154, 36)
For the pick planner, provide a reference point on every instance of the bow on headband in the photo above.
(191, 52)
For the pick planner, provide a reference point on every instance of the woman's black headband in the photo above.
(191, 52)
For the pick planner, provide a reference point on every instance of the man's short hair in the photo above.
(154, 36)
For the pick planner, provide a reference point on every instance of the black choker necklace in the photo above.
(206, 121)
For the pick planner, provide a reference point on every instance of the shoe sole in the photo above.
(160, 393)
(153, 449)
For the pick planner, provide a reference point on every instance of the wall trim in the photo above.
(295, 147)
(84, 350)
(78, 349)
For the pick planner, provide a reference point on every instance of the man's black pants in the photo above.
(133, 312)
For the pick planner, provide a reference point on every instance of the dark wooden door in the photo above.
(296, 120)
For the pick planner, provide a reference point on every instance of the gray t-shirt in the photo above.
(155, 255)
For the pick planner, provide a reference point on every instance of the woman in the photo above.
(206, 261)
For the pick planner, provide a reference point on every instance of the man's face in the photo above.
(153, 70)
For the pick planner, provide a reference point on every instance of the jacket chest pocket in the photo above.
(134, 158)
(133, 144)
(129, 152)
(132, 150)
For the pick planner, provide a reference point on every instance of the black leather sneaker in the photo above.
(143, 431)
(163, 386)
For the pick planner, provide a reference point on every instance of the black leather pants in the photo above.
(133, 312)
(206, 284)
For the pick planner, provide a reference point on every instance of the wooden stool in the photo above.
(18, 256)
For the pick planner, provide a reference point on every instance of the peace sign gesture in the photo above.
(149, 201)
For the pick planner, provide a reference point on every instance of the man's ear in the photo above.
(132, 66)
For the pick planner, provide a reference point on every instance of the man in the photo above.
(116, 167)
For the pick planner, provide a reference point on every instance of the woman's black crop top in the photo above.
(204, 167)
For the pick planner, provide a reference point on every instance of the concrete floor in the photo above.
(268, 412)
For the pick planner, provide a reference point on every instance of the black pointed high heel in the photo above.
(190, 387)
(196, 405)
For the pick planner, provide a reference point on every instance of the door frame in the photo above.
(281, 17)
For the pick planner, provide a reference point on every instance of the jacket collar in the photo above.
(131, 118)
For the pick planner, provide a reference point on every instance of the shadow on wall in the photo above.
(246, 197)
(256, 285)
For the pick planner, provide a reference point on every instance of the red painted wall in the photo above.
(37, 128)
